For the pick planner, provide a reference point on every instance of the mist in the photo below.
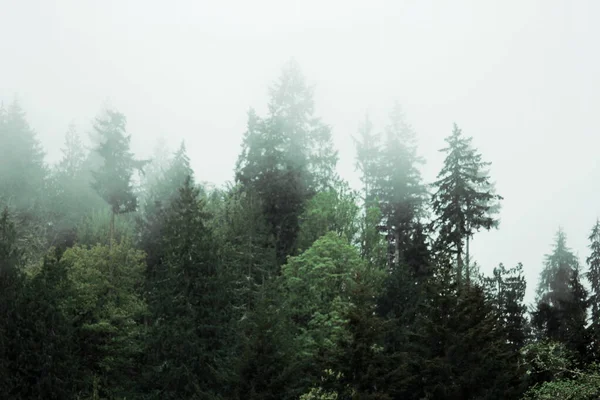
(520, 78)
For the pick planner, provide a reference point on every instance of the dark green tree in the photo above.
(286, 157)
(23, 172)
(12, 283)
(158, 197)
(24, 179)
(506, 292)
(593, 276)
(49, 360)
(72, 195)
(113, 180)
(368, 161)
(463, 201)
(561, 312)
(402, 193)
(188, 306)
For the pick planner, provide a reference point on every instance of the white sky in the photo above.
(520, 76)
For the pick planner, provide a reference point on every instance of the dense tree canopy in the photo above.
(285, 284)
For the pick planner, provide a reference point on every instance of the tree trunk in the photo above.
(459, 264)
(111, 235)
(468, 264)
(397, 248)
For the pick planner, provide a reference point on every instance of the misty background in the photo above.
(521, 77)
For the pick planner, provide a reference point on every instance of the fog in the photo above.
(521, 77)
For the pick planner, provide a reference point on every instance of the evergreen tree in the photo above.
(73, 197)
(286, 157)
(593, 277)
(157, 205)
(561, 313)
(368, 160)
(402, 193)
(112, 180)
(12, 282)
(23, 172)
(506, 292)
(107, 311)
(49, 359)
(188, 306)
(558, 267)
(463, 201)
(23, 179)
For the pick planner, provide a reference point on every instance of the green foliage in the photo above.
(188, 304)
(553, 372)
(327, 287)
(334, 210)
(506, 292)
(561, 312)
(71, 196)
(107, 310)
(593, 276)
(286, 157)
(368, 160)
(94, 228)
(282, 286)
(464, 200)
(23, 172)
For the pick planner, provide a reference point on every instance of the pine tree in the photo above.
(368, 160)
(112, 180)
(24, 179)
(188, 306)
(506, 292)
(402, 193)
(73, 198)
(558, 267)
(159, 197)
(286, 157)
(561, 313)
(49, 361)
(464, 201)
(12, 282)
(593, 277)
(23, 172)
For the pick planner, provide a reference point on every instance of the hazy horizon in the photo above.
(520, 77)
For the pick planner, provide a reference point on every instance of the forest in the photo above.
(125, 278)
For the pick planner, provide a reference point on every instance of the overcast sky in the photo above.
(520, 76)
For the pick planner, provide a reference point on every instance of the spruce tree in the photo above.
(23, 172)
(463, 201)
(561, 312)
(286, 157)
(188, 306)
(506, 292)
(73, 198)
(113, 180)
(402, 193)
(12, 283)
(593, 276)
(158, 198)
(368, 160)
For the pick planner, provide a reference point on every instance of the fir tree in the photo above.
(286, 157)
(368, 160)
(593, 277)
(402, 193)
(463, 201)
(189, 305)
(23, 172)
(113, 180)
(561, 313)
(72, 195)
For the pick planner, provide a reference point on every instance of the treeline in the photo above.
(127, 279)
